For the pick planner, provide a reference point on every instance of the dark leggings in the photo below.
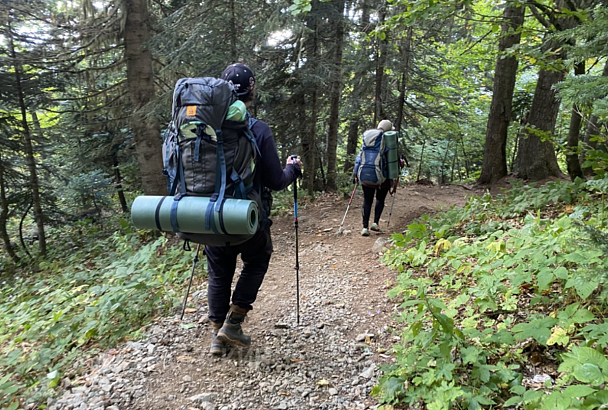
(368, 198)
(221, 266)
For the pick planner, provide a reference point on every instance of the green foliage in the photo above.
(489, 289)
(81, 302)
(92, 189)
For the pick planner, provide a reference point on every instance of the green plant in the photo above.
(478, 304)
(82, 302)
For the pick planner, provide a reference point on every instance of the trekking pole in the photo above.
(348, 206)
(295, 224)
(198, 248)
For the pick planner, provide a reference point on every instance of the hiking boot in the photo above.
(218, 347)
(231, 331)
(364, 232)
(375, 227)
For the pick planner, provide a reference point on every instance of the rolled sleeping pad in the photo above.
(238, 216)
(391, 141)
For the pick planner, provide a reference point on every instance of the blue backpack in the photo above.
(371, 165)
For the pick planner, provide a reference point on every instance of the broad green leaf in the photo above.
(393, 387)
(530, 395)
(585, 288)
(545, 278)
(583, 285)
(578, 390)
(589, 373)
(583, 316)
(561, 273)
(588, 355)
(556, 401)
(576, 257)
(512, 401)
(539, 329)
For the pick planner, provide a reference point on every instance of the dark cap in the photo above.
(241, 77)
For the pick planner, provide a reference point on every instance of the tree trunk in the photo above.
(336, 91)
(4, 210)
(536, 158)
(29, 149)
(312, 56)
(421, 159)
(574, 167)
(351, 144)
(495, 150)
(406, 50)
(310, 146)
(233, 32)
(380, 64)
(354, 124)
(465, 156)
(118, 184)
(140, 79)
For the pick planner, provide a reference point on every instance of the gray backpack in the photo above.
(207, 154)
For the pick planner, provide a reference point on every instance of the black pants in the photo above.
(368, 199)
(221, 266)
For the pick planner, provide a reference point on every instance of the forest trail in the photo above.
(330, 361)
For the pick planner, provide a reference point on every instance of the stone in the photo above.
(204, 397)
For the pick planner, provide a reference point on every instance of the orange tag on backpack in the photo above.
(191, 111)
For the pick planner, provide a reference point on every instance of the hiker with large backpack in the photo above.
(371, 171)
(221, 165)
(227, 310)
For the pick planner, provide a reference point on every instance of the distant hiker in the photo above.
(371, 170)
(227, 310)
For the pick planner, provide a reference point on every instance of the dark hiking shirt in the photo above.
(270, 172)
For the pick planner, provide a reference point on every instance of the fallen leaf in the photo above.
(190, 310)
(185, 359)
(323, 382)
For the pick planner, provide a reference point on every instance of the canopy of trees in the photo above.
(478, 89)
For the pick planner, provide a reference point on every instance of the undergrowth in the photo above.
(80, 300)
(503, 303)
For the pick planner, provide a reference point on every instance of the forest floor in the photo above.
(331, 360)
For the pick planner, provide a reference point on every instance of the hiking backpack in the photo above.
(205, 154)
(371, 166)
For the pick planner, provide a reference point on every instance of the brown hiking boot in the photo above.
(218, 347)
(231, 331)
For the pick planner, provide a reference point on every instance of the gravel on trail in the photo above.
(331, 360)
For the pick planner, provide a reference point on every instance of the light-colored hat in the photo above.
(385, 125)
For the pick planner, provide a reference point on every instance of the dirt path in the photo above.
(329, 361)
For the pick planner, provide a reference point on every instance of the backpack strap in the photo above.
(240, 190)
(250, 136)
(172, 135)
(179, 176)
(217, 199)
(252, 121)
